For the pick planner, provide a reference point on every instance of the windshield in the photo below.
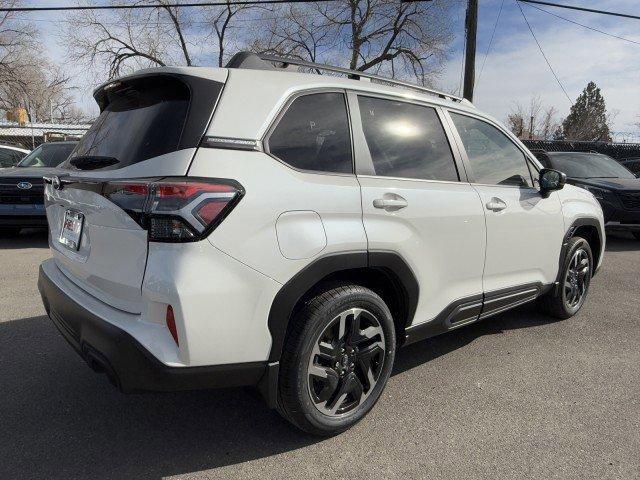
(48, 155)
(589, 166)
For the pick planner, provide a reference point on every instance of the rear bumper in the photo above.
(129, 365)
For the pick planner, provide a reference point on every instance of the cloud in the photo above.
(515, 69)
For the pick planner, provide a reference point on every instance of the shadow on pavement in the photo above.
(419, 353)
(622, 242)
(27, 238)
(61, 420)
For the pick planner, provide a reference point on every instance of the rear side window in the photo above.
(313, 134)
(494, 158)
(406, 140)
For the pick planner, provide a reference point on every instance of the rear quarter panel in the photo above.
(249, 233)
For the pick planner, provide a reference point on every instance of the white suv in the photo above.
(251, 225)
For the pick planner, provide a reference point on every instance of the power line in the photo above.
(542, 51)
(141, 6)
(583, 9)
(585, 26)
(490, 42)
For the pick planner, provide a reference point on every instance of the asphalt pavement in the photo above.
(517, 396)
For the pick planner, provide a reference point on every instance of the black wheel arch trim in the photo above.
(285, 301)
(580, 222)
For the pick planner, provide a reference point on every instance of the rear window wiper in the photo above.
(93, 162)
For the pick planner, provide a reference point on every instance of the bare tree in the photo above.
(27, 79)
(293, 32)
(221, 20)
(534, 121)
(130, 39)
(400, 39)
(16, 38)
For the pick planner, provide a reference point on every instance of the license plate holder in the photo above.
(71, 230)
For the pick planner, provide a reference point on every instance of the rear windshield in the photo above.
(143, 118)
(47, 155)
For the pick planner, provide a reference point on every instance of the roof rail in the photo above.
(251, 60)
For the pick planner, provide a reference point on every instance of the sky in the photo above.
(514, 68)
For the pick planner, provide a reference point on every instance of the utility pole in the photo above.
(470, 53)
(531, 128)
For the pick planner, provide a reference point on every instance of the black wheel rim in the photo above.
(576, 280)
(346, 362)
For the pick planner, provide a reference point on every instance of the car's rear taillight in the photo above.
(176, 209)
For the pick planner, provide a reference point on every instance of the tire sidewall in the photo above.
(578, 243)
(361, 298)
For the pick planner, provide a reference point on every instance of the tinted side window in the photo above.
(406, 140)
(313, 134)
(494, 158)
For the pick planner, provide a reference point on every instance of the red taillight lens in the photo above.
(176, 209)
(171, 324)
(209, 210)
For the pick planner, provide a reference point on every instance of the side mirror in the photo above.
(551, 180)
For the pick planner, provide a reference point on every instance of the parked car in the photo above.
(616, 188)
(11, 155)
(291, 230)
(21, 188)
(632, 164)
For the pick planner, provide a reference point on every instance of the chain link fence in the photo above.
(31, 136)
(619, 151)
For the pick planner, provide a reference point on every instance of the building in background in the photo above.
(29, 135)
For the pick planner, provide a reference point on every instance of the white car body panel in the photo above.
(222, 288)
(440, 234)
(272, 188)
(523, 240)
(220, 305)
(300, 234)
(578, 203)
(113, 248)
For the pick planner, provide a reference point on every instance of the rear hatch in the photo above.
(149, 128)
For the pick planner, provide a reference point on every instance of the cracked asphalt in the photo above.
(517, 396)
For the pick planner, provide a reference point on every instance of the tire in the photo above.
(567, 300)
(636, 235)
(342, 394)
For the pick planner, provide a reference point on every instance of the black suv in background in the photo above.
(22, 187)
(616, 188)
(632, 164)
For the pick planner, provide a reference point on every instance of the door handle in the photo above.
(496, 204)
(390, 202)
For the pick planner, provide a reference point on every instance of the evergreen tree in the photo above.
(587, 119)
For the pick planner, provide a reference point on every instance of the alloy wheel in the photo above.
(576, 280)
(346, 362)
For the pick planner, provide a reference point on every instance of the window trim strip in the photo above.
(230, 143)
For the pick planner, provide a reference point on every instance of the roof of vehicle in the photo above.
(62, 142)
(253, 97)
(11, 147)
(575, 153)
